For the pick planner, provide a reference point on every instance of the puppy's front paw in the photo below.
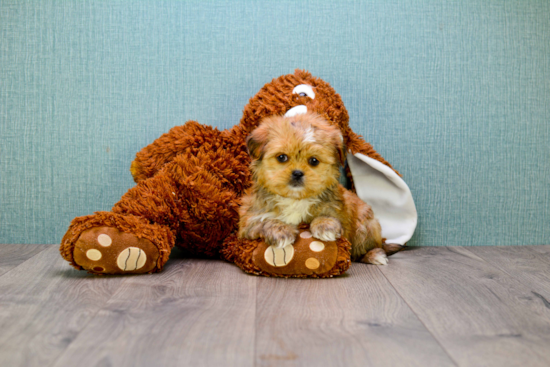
(326, 228)
(282, 241)
(280, 235)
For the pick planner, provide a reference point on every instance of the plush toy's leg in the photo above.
(185, 200)
(307, 257)
(189, 137)
(109, 243)
(194, 196)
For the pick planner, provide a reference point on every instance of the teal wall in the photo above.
(455, 94)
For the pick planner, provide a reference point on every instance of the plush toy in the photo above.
(308, 257)
(189, 184)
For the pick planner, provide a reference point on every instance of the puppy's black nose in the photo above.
(297, 174)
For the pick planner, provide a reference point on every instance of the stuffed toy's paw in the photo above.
(105, 250)
(308, 257)
(108, 243)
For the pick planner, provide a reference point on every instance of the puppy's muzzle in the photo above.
(297, 178)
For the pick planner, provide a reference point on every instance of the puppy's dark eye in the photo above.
(313, 161)
(282, 158)
(303, 94)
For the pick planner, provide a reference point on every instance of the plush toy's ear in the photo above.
(255, 142)
(388, 195)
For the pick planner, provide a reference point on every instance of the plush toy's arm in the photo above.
(190, 136)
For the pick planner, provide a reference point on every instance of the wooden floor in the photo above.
(433, 306)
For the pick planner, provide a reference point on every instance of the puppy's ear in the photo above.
(340, 149)
(255, 142)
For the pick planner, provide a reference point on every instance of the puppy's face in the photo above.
(296, 157)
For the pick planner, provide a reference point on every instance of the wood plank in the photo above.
(480, 315)
(44, 304)
(13, 255)
(197, 312)
(528, 264)
(354, 320)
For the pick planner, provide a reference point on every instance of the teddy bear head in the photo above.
(293, 94)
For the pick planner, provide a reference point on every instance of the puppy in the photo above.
(296, 166)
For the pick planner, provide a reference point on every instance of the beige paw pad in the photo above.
(277, 256)
(93, 254)
(306, 234)
(131, 258)
(312, 263)
(317, 246)
(104, 240)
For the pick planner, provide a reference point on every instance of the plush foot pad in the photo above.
(107, 250)
(308, 257)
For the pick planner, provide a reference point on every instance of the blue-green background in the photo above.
(455, 94)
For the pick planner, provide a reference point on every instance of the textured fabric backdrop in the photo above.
(455, 94)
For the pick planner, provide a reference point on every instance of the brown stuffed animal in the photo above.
(189, 183)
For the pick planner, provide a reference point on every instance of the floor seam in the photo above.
(497, 266)
(46, 247)
(254, 363)
(419, 319)
(102, 307)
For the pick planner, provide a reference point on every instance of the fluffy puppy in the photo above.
(295, 166)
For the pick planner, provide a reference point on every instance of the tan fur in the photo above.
(276, 204)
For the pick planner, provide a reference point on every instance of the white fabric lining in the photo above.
(388, 195)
